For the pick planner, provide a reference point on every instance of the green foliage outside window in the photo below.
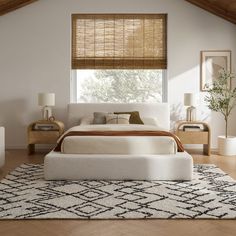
(125, 86)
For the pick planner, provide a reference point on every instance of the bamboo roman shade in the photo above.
(119, 41)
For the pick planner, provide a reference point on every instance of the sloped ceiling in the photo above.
(11, 5)
(223, 8)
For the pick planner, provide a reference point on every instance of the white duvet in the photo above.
(118, 144)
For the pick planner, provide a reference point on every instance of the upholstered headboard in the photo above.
(158, 110)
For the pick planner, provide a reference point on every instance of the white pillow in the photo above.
(150, 121)
(86, 120)
(117, 119)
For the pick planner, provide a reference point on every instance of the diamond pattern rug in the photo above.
(24, 194)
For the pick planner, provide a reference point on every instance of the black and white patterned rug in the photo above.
(24, 194)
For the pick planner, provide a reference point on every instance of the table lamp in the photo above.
(190, 101)
(46, 100)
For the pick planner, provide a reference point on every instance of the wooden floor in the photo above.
(116, 227)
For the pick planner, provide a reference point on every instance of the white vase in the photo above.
(227, 146)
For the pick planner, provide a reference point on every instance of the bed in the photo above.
(118, 157)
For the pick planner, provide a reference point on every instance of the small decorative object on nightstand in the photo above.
(194, 132)
(43, 132)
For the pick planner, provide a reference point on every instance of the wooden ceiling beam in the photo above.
(11, 5)
(222, 8)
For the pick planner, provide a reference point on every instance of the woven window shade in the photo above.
(119, 41)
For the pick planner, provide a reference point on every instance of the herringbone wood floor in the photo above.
(116, 227)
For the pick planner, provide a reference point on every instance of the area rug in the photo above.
(24, 194)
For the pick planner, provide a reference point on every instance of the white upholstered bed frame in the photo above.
(59, 166)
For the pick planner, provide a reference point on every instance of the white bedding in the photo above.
(118, 144)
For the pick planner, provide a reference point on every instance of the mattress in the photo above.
(118, 144)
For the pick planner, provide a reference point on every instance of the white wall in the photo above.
(35, 55)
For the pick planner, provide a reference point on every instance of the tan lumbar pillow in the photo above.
(117, 119)
(134, 117)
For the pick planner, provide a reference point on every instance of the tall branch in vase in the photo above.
(221, 96)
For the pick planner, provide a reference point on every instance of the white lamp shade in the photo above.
(46, 99)
(189, 99)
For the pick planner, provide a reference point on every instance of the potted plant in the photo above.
(222, 98)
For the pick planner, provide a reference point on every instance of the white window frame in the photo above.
(73, 87)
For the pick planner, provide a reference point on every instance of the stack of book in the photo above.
(191, 128)
(44, 127)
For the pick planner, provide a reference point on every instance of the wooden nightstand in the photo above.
(42, 135)
(195, 137)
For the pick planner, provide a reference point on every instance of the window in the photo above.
(119, 58)
(118, 86)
